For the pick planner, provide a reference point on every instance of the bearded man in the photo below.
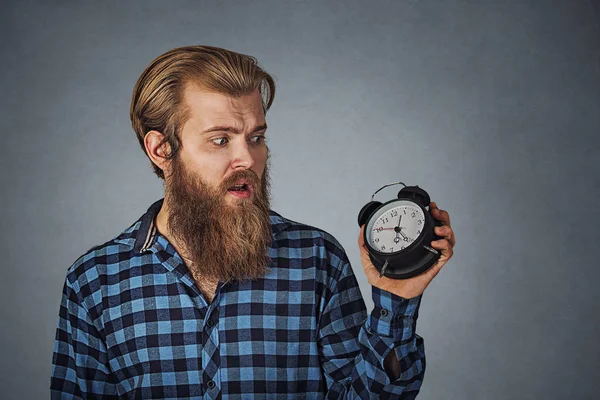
(211, 294)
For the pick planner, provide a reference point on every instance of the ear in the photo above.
(157, 152)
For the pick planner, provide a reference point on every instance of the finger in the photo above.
(441, 215)
(436, 268)
(446, 232)
(443, 245)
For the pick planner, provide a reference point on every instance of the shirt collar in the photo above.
(147, 231)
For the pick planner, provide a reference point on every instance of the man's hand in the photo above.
(415, 286)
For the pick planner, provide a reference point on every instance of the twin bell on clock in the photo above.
(398, 234)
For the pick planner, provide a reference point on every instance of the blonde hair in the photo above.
(158, 104)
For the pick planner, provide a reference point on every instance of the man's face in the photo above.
(217, 188)
(223, 135)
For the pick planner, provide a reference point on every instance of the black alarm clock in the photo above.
(398, 234)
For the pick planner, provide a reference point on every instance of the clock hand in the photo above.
(399, 228)
(396, 239)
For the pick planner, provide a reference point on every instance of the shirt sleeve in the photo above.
(353, 345)
(79, 363)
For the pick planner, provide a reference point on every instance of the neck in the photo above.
(161, 219)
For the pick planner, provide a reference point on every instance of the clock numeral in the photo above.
(383, 247)
(376, 240)
(419, 232)
(419, 222)
(391, 249)
(379, 229)
(403, 247)
(404, 211)
(406, 238)
(394, 213)
(413, 215)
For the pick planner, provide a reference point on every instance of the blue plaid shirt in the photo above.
(133, 324)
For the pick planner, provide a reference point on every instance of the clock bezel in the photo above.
(416, 243)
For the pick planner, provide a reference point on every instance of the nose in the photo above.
(242, 156)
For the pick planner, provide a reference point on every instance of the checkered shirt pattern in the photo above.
(133, 324)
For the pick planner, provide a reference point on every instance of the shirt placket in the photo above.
(211, 380)
(210, 352)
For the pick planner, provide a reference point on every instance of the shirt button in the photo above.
(384, 312)
(210, 323)
(399, 317)
(211, 384)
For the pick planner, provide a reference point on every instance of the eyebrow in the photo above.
(232, 129)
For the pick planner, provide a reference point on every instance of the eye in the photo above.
(222, 141)
(258, 139)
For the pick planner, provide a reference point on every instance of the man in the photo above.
(210, 294)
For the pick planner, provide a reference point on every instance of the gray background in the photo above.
(491, 106)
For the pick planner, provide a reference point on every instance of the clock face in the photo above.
(395, 226)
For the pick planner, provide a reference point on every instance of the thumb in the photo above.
(364, 253)
(370, 270)
(361, 239)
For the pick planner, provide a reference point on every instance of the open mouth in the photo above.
(240, 190)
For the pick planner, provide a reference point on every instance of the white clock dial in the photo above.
(395, 226)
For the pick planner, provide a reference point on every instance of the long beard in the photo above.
(223, 241)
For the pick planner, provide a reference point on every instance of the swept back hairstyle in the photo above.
(158, 104)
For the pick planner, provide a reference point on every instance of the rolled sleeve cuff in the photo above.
(393, 316)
